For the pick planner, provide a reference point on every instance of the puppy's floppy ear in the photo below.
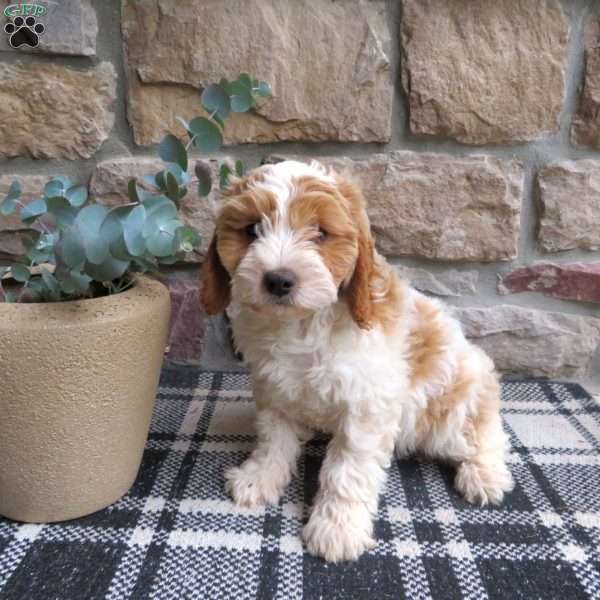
(358, 292)
(216, 283)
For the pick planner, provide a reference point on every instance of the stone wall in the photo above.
(473, 127)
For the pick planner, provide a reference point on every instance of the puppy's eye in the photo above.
(321, 235)
(252, 230)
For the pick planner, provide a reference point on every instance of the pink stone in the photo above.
(187, 320)
(572, 281)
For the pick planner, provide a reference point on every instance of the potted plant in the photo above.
(83, 326)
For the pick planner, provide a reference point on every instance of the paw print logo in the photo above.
(24, 32)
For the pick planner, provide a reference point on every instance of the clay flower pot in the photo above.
(77, 386)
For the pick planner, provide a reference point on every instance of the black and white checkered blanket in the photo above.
(177, 536)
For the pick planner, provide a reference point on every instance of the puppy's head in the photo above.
(290, 239)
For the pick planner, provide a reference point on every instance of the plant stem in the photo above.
(187, 147)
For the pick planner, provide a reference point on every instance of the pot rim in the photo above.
(49, 315)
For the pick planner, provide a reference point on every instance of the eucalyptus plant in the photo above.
(75, 248)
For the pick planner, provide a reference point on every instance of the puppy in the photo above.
(337, 342)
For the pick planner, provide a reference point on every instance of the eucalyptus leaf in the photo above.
(55, 187)
(38, 257)
(10, 200)
(241, 97)
(239, 168)
(65, 181)
(144, 194)
(64, 281)
(224, 83)
(160, 182)
(132, 190)
(33, 210)
(52, 285)
(171, 150)
(81, 280)
(39, 247)
(161, 240)
(157, 218)
(177, 172)
(224, 173)
(73, 282)
(207, 136)
(110, 268)
(47, 240)
(156, 203)
(264, 89)
(62, 211)
(204, 175)
(88, 223)
(215, 99)
(77, 195)
(245, 80)
(172, 187)
(20, 273)
(111, 231)
(71, 249)
(15, 190)
(186, 239)
(8, 206)
(133, 228)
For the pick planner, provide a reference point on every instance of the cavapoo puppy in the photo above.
(337, 342)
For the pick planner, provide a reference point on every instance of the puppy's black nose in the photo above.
(279, 283)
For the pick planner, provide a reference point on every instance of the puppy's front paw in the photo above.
(339, 531)
(483, 484)
(254, 485)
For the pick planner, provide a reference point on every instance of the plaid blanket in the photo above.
(176, 535)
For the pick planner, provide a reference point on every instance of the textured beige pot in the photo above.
(77, 388)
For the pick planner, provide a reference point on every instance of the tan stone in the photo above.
(585, 130)
(439, 206)
(331, 84)
(51, 111)
(570, 205)
(492, 72)
(450, 282)
(109, 186)
(10, 245)
(533, 342)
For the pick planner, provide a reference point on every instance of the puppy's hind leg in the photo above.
(484, 477)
